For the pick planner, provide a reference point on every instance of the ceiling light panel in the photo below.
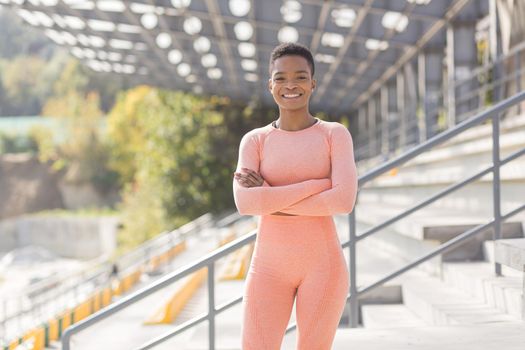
(334, 40)
(183, 69)
(181, 4)
(28, 17)
(192, 25)
(163, 40)
(202, 44)
(247, 50)
(111, 5)
(288, 34)
(291, 11)
(187, 39)
(239, 8)
(141, 8)
(343, 17)
(243, 30)
(394, 20)
(99, 25)
(149, 20)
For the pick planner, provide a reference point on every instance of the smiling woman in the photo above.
(291, 85)
(295, 173)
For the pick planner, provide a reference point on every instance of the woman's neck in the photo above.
(294, 120)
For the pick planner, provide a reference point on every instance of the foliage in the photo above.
(84, 212)
(33, 68)
(141, 213)
(175, 153)
(17, 144)
(43, 138)
(19, 39)
(85, 153)
(20, 79)
(126, 132)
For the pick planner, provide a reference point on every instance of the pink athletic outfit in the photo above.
(310, 173)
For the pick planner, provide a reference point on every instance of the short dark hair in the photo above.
(289, 49)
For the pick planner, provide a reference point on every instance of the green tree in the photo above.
(175, 153)
(85, 153)
(21, 79)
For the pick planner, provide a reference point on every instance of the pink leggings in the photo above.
(294, 256)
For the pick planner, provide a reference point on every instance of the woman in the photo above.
(295, 173)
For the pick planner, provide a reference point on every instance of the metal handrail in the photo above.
(362, 150)
(209, 260)
(492, 113)
(441, 138)
(48, 291)
(206, 261)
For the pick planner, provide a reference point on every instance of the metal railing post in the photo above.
(211, 306)
(353, 305)
(496, 184)
(517, 68)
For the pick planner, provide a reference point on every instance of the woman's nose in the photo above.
(290, 84)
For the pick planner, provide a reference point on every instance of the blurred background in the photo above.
(120, 123)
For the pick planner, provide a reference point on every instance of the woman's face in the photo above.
(291, 82)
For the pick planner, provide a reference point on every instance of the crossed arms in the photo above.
(313, 197)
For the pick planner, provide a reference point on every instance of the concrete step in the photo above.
(468, 137)
(402, 247)
(472, 199)
(108, 333)
(511, 252)
(385, 316)
(439, 304)
(432, 227)
(509, 141)
(453, 158)
(484, 131)
(489, 336)
(432, 223)
(478, 279)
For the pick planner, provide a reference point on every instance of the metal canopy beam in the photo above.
(218, 26)
(361, 14)
(350, 70)
(452, 11)
(371, 57)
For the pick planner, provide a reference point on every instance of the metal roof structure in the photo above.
(223, 46)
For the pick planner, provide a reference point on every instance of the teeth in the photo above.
(291, 95)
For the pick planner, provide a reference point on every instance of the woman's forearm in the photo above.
(264, 200)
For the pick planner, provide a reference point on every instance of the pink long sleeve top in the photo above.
(308, 172)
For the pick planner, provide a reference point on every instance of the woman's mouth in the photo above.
(291, 96)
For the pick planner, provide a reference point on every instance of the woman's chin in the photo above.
(292, 105)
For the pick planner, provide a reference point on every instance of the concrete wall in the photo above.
(70, 237)
(8, 239)
(27, 186)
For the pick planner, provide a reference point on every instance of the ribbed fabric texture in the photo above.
(309, 173)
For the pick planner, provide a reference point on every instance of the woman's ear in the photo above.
(314, 82)
(270, 84)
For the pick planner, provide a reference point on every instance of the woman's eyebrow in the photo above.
(297, 71)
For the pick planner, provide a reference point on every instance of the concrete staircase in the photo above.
(450, 302)
(490, 336)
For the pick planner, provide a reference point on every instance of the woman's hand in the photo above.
(253, 179)
(249, 179)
